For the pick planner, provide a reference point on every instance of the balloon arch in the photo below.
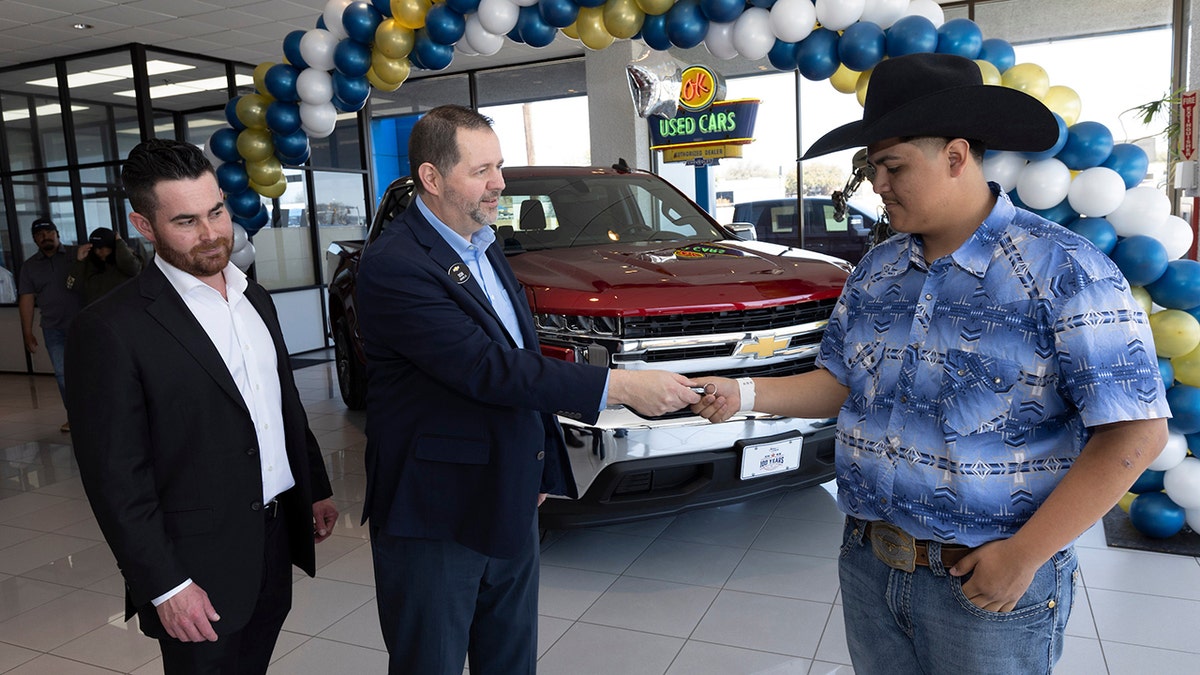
(1086, 182)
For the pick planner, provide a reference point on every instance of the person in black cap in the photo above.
(43, 281)
(994, 381)
(101, 265)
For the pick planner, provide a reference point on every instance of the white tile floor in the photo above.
(750, 588)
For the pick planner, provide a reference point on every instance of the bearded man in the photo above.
(191, 439)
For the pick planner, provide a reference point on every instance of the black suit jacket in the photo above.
(461, 434)
(168, 454)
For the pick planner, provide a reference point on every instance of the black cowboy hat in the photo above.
(942, 95)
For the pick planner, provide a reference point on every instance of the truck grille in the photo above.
(727, 322)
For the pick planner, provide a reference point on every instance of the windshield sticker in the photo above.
(694, 251)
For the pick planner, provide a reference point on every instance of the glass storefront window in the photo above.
(44, 194)
(32, 118)
(339, 150)
(102, 200)
(540, 132)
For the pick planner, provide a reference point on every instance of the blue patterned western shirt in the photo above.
(973, 380)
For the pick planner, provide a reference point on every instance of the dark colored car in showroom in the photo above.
(622, 270)
(775, 221)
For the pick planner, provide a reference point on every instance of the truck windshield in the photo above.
(571, 211)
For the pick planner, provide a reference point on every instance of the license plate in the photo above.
(765, 459)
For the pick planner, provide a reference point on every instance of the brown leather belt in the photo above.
(899, 550)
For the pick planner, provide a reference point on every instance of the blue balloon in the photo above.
(1088, 144)
(654, 32)
(291, 49)
(353, 91)
(862, 46)
(463, 7)
(321, 23)
(783, 55)
(255, 222)
(1060, 213)
(912, 34)
(291, 145)
(765, 4)
(1167, 372)
(1155, 515)
(686, 25)
(223, 144)
(296, 160)
(245, 203)
(1058, 145)
(1140, 258)
(1096, 230)
(1149, 481)
(232, 178)
(352, 59)
(1130, 161)
(533, 29)
(722, 11)
(592, 3)
(1178, 287)
(433, 55)
(1184, 401)
(999, 53)
(384, 7)
(444, 25)
(281, 82)
(231, 114)
(283, 117)
(559, 13)
(817, 54)
(360, 19)
(961, 37)
(514, 35)
(1193, 443)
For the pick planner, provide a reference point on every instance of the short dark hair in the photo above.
(159, 159)
(434, 138)
(977, 148)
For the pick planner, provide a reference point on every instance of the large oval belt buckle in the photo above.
(893, 546)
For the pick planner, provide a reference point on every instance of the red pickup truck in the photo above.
(623, 270)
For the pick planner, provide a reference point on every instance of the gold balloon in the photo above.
(251, 109)
(379, 84)
(273, 190)
(264, 171)
(571, 31)
(655, 7)
(991, 74)
(410, 14)
(860, 87)
(1142, 296)
(1176, 334)
(1187, 367)
(1065, 102)
(255, 145)
(590, 24)
(260, 74)
(844, 80)
(1126, 501)
(1027, 77)
(392, 71)
(623, 18)
(394, 40)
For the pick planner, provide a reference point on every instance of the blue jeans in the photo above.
(921, 622)
(56, 347)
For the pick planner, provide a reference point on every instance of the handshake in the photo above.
(658, 392)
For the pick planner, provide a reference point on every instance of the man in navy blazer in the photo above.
(462, 442)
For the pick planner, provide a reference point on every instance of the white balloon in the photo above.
(1175, 234)
(1044, 184)
(1182, 483)
(719, 39)
(1172, 454)
(240, 238)
(465, 49)
(316, 48)
(1143, 208)
(314, 86)
(884, 13)
(1096, 192)
(318, 119)
(526, 3)
(497, 16)
(752, 35)
(333, 18)
(479, 39)
(243, 258)
(1004, 168)
(793, 20)
(928, 9)
(839, 14)
(1193, 519)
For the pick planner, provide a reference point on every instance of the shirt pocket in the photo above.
(977, 391)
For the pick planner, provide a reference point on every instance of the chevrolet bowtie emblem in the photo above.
(761, 348)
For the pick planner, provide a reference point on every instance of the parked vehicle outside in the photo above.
(775, 221)
(624, 271)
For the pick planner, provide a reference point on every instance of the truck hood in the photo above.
(650, 279)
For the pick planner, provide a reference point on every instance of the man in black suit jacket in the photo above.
(462, 442)
(191, 439)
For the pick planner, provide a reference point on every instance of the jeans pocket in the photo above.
(852, 536)
(1044, 594)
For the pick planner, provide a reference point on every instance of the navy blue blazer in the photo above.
(461, 434)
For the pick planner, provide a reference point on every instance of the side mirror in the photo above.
(743, 231)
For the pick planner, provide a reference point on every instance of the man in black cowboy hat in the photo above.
(995, 385)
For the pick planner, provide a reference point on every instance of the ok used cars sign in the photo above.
(703, 121)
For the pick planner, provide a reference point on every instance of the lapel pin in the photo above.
(459, 272)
